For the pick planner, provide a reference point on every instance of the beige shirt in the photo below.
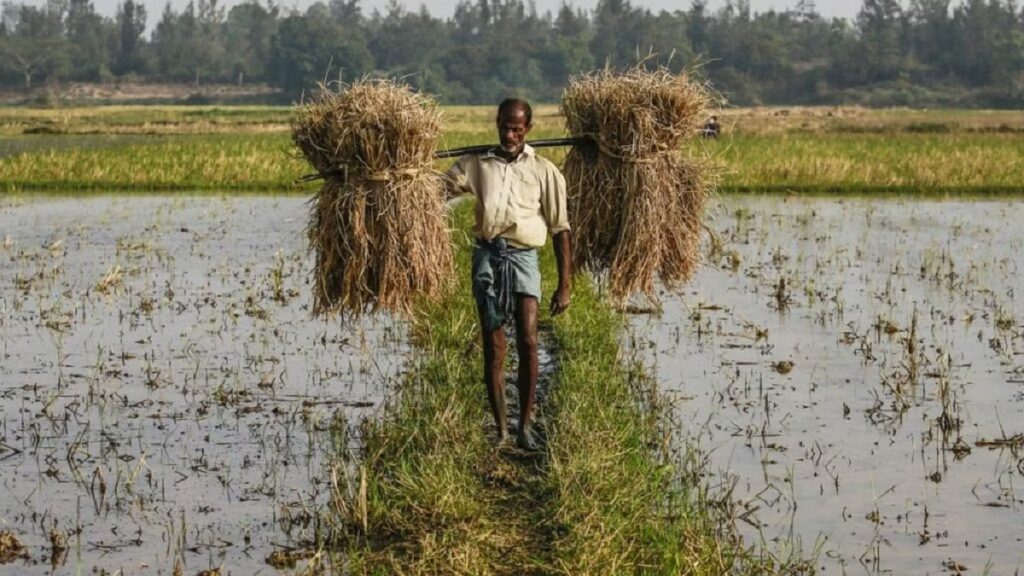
(521, 201)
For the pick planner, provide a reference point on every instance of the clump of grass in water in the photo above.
(11, 548)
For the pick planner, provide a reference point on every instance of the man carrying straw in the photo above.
(520, 198)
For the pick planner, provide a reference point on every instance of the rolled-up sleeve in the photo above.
(456, 181)
(553, 203)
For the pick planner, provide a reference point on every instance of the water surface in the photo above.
(165, 395)
(853, 369)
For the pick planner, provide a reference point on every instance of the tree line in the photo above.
(935, 52)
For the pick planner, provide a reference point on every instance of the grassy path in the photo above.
(606, 495)
(439, 496)
(520, 499)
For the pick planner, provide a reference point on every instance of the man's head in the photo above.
(515, 118)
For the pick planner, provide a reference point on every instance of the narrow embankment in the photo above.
(434, 495)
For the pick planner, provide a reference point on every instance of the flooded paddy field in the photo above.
(165, 397)
(853, 371)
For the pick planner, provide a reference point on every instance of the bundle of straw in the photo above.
(377, 225)
(635, 202)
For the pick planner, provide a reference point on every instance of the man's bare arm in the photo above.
(563, 258)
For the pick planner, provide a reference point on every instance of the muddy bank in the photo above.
(92, 93)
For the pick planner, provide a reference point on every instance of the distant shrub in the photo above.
(1000, 129)
(43, 99)
(198, 99)
(42, 130)
(928, 128)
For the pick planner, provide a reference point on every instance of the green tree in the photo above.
(618, 33)
(880, 26)
(407, 42)
(188, 45)
(666, 34)
(33, 57)
(932, 34)
(493, 48)
(346, 13)
(207, 42)
(500, 48)
(173, 43)
(571, 51)
(131, 23)
(310, 47)
(90, 35)
(248, 33)
(41, 22)
(698, 26)
(989, 42)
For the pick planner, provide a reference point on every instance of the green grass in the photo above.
(195, 163)
(222, 149)
(432, 495)
(428, 470)
(902, 162)
(621, 503)
(143, 119)
(918, 163)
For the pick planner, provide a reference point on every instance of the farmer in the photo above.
(520, 199)
(712, 128)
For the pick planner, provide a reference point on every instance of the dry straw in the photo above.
(635, 201)
(377, 226)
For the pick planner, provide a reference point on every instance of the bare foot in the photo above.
(525, 440)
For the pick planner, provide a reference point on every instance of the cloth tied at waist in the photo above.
(500, 271)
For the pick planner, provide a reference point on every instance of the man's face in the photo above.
(512, 130)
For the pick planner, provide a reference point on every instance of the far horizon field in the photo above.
(764, 149)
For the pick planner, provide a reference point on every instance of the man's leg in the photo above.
(526, 345)
(494, 377)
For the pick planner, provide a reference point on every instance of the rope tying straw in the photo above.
(378, 176)
(389, 175)
(607, 150)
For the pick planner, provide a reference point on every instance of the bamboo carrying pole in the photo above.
(549, 143)
(478, 149)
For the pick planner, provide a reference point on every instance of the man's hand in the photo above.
(560, 301)
(563, 258)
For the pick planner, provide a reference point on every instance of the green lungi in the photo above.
(500, 272)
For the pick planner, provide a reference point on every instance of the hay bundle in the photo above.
(377, 225)
(635, 202)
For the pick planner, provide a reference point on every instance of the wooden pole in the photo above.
(482, 149)
(550, 143)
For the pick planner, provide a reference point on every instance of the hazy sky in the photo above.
(445, 8)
